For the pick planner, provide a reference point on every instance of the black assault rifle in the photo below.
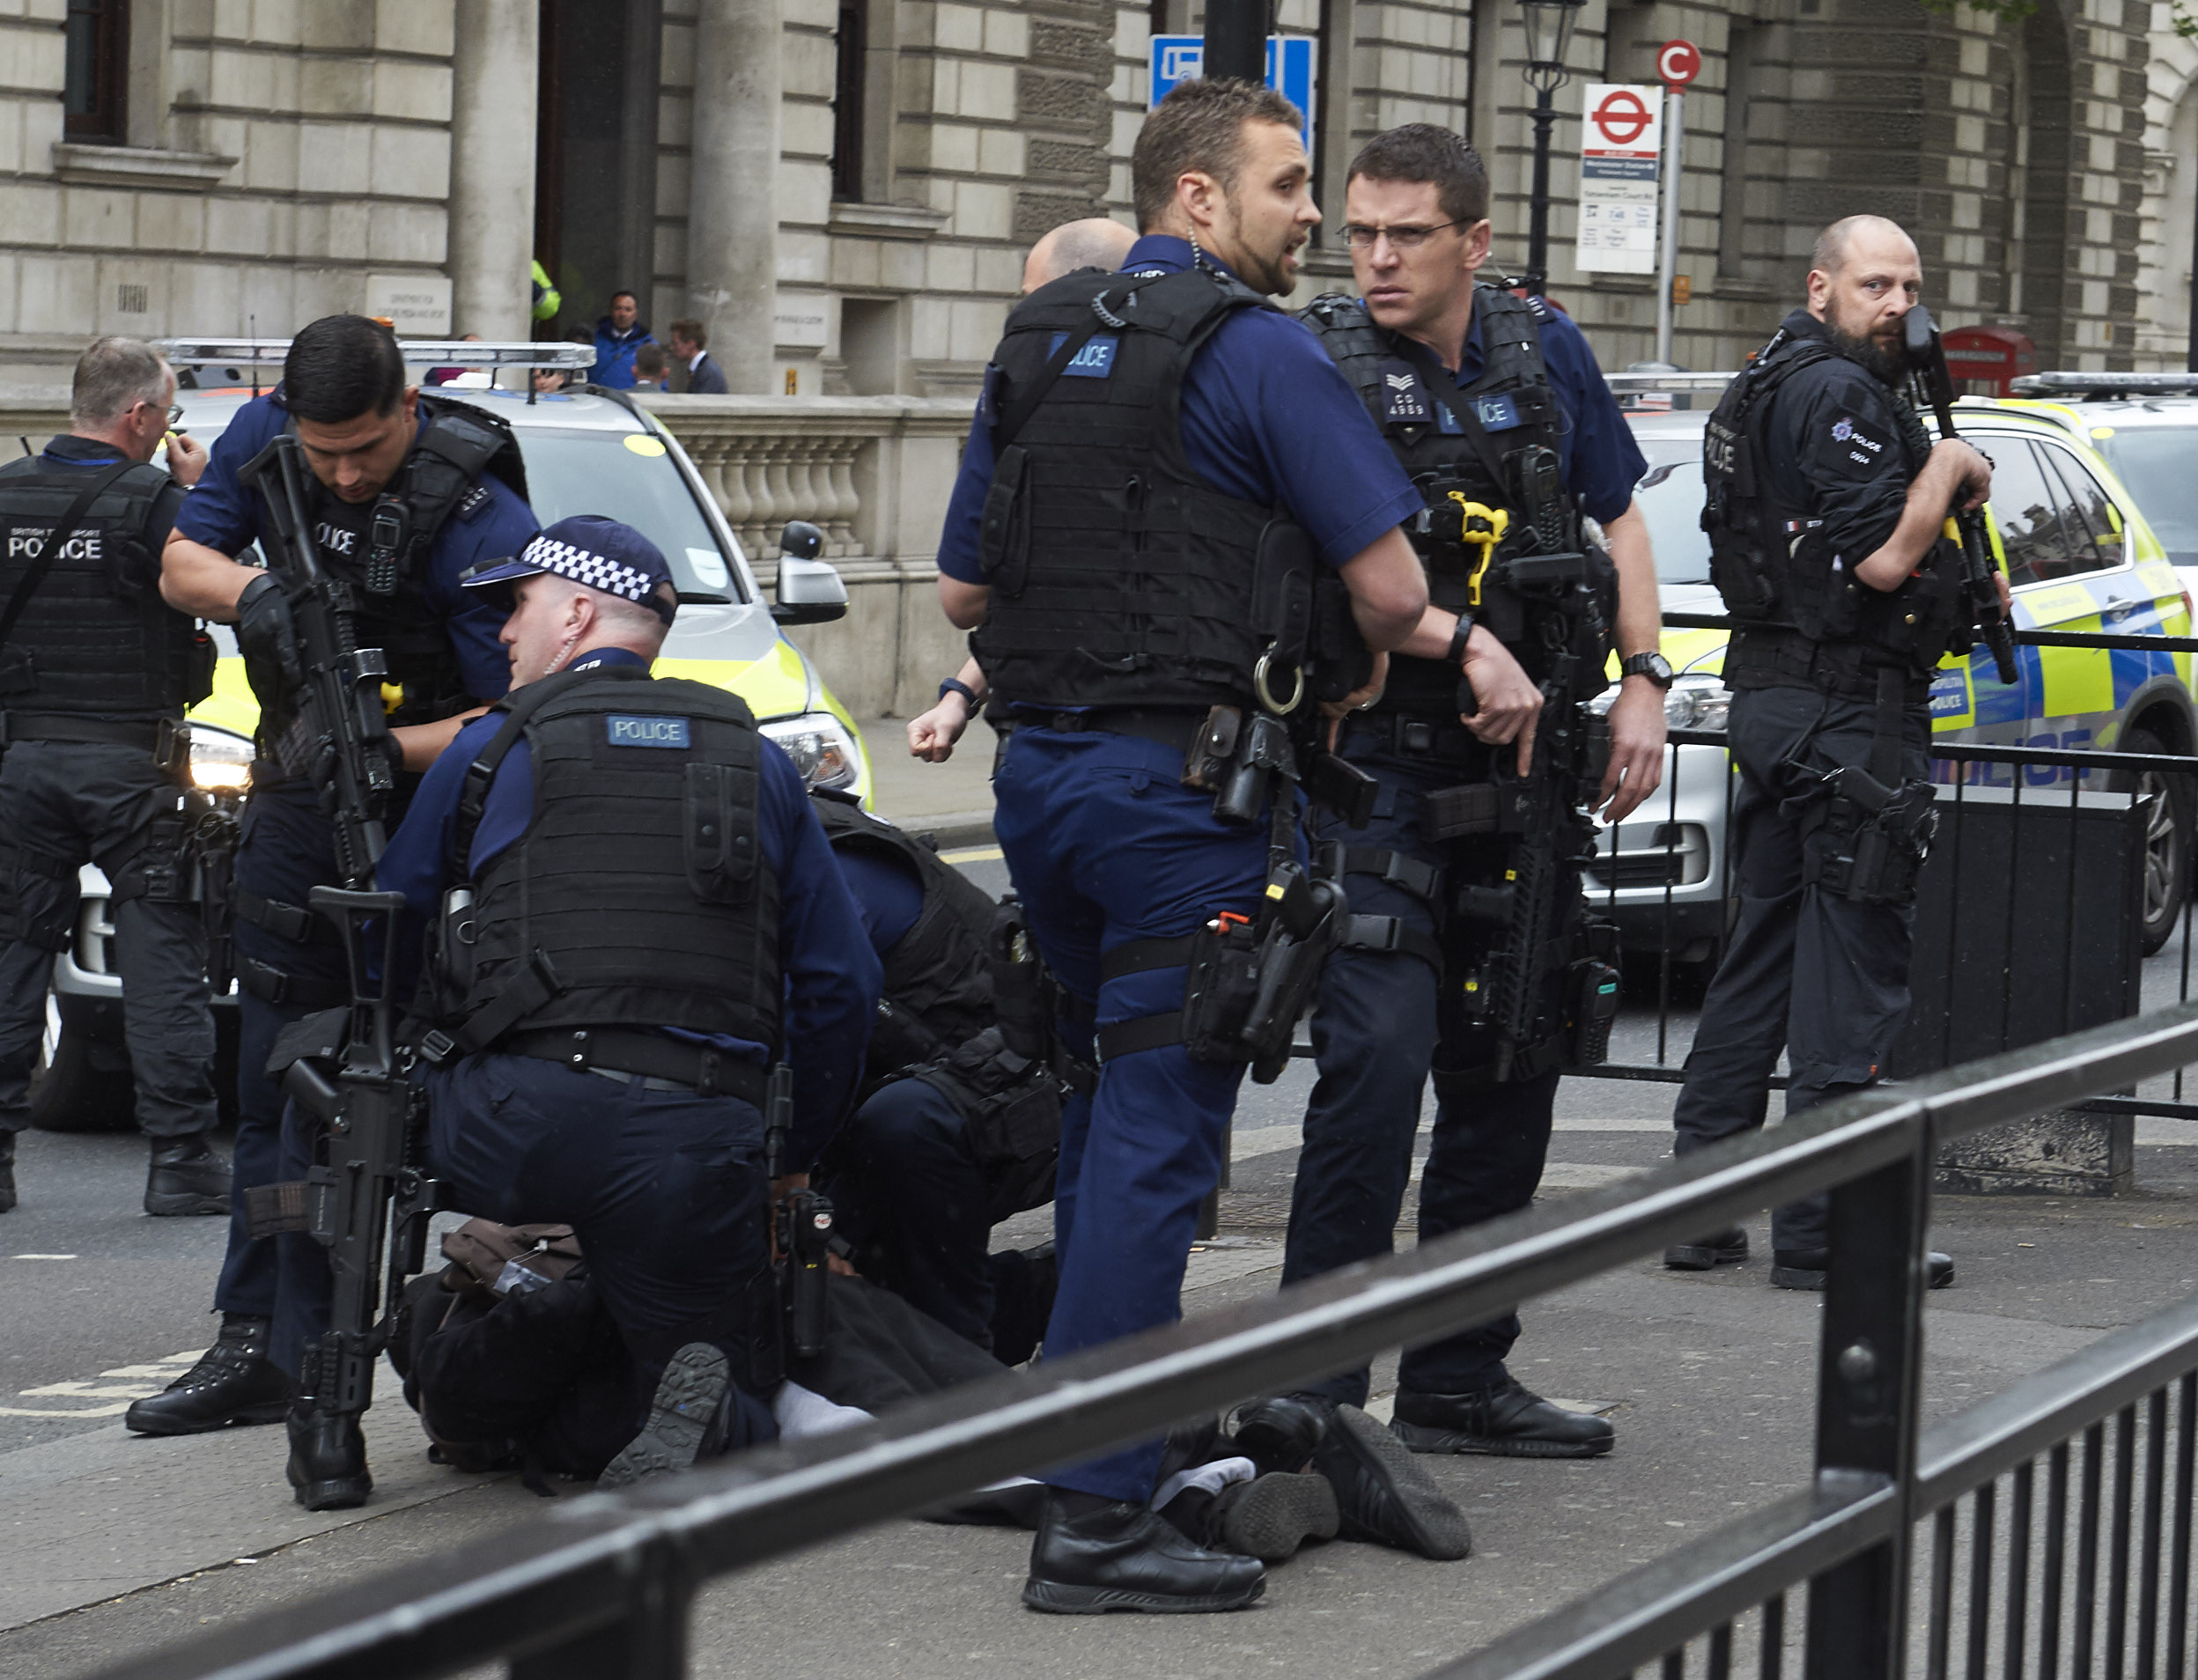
(1934, 386)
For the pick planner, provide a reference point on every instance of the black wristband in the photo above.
(955, 685)
(1458, 638)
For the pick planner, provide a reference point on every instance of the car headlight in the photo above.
(821, 748)
(219, 759)
(1697, 702)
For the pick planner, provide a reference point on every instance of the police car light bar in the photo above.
(418, 352)
(2104, 386)
(1637, 384)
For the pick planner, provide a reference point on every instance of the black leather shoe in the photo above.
(233, 1382)
(187, 1176)
(1279, 1433)
(1725, 1248)
(1382, 1495)
(1268, 1517)
(328, 1458)
(1506, 1421)
(694, 1383)
(1092, 1555)
(7, 1171)
(1806, 1268)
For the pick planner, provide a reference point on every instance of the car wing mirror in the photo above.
(810, 590)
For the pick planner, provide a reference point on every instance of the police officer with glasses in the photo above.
(411, 491)
(1494, 404)
(96, 673)
(1826, 503)
(1145, 438)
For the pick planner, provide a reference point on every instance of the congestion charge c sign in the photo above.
(1679, 63)
(1622, 118)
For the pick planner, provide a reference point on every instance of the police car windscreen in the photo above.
(1671, 498)
(2154, 462)
(597, 472)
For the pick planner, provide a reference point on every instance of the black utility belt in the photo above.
(1172, 728)
(1775, 658)
(1413, 734)
(167, 738)
(701, 1068)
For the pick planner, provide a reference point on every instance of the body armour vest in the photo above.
(938, 973)
(1118, 576)
(639, 895)
(95, 637)
(388, 559)
(1472, 451)
(1771, 565)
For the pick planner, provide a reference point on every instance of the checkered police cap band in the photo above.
(583, 566)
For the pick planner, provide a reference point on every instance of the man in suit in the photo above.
(693, 367)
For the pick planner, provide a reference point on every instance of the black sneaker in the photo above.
(1382, 1495)
(1092, 1555)
(1725, 1248)
(233, 1382)
(1806, 1268)
(1268, 1517)
(1506, 1421)
(1280, 1432)
(187, 1176)
(695, 1380)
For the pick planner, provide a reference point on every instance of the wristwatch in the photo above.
(1654, 667)
(1459, 638)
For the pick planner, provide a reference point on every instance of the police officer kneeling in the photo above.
(636, 914)
(1826, 501)
(96, 671)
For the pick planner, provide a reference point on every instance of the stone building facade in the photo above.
(844, 188)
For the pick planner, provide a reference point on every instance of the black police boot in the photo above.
(1280, 1432)
(187, 1176)
(1382, 1495)
(1806, 1268)
(1506, 1421)
(1094, 1555)
(7, 1171)
(233, 1382)
(1724, 1248)
(688, 1396)
(1268, 1517)
(328, 1458)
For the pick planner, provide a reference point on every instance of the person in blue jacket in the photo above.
(373, 444)
(654, 917)
(619, 338)
(1138, 436)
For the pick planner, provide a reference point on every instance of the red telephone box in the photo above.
(1985, 360)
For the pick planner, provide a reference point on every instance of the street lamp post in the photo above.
(1236, 38)
(1548, 33)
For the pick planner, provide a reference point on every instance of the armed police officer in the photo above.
(647, 915)
(1826, 501)
(410, 492)
(96, 671)
(1160, 462)
(1469, 953)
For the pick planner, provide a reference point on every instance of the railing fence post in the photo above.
(1866, 1406)
(648, 1640)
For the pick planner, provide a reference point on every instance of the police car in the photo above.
(2080, 556)
(587, 451)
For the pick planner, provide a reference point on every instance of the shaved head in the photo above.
(1863, 278)
(1095, 242)
(1837, 242)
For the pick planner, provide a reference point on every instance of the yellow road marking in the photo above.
(972, 854)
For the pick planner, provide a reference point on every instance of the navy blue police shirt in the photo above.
(1266, 418)
(1834, 450)
(222, 514)
(832, 976)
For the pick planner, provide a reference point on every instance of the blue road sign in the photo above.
(1292, 69)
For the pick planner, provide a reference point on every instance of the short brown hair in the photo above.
(648, 361)
(1200, 125)
(1422, 151)
(692, 331)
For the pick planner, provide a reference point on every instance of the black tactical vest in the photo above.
(1118, 576)
(1770, 563)
(639, 895)
(95, 637)
(387, 562)
(938, 973)
(1464, 446)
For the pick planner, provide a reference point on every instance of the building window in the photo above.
(847, 104)
(97, 75)
(1732, 216)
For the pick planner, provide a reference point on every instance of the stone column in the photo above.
(732, 211)
(495, 72)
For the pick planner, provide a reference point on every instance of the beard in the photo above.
(1882, 361)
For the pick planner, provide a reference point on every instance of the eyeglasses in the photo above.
(1408, 238)
(175, 413)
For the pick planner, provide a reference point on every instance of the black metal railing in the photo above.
(603, 1585)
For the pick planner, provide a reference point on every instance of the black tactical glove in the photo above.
(266, 633)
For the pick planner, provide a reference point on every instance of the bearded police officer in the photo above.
(96, 671)
(1494, 405)
(1145, 441)
(410, 492)
(650, 916)
(1826, 499)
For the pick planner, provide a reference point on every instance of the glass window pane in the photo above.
(2024, 506)
(592, 472)
(1671, 501)
(2093, 521)
(2156, 463)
